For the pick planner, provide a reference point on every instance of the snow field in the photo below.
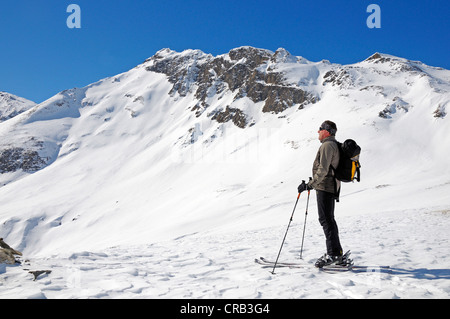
(221, 265)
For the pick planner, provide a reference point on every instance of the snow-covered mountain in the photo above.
(188, 143)
(12, 105)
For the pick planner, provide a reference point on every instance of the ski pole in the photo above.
(304, 225)
(290, 220)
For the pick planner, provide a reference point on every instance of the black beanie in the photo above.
(330, 127)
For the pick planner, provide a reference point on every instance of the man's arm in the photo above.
(326, 156)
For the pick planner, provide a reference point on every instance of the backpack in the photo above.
(348, 168)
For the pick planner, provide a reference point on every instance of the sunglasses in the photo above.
(321, 128)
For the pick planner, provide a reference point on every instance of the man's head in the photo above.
(327, 129)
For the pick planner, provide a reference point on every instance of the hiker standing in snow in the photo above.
(327, 188)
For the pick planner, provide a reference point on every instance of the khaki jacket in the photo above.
(323, 175)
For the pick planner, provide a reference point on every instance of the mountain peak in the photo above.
(248, 51)
(243, 72)
(396, 63)
(163, 53)
(12, 105)
(375, 56)
(283, 56)
(378, 57)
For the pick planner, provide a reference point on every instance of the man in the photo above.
(327, 188)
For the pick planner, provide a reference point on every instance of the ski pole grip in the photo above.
(303, 181)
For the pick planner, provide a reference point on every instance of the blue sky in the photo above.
(40, 55)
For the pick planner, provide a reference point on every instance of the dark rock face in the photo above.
(243, 71)
(234, 114)
(440, 111)
(338, 78)
(15, 158)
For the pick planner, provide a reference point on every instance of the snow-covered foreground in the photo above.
(413, 243)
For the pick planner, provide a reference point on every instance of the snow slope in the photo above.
(141, 196)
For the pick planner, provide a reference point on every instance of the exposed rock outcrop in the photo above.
(7, 253)
(243, 71)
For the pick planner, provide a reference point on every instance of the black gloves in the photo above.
(303, 187)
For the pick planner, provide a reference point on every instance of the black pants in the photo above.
(325, 205)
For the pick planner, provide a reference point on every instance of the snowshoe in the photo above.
(327, 260)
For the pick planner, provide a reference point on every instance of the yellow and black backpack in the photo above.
(348, 168)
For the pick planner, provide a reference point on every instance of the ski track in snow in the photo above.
(413, 243)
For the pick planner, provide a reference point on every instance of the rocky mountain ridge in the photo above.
(236, 87)
(246, 71)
